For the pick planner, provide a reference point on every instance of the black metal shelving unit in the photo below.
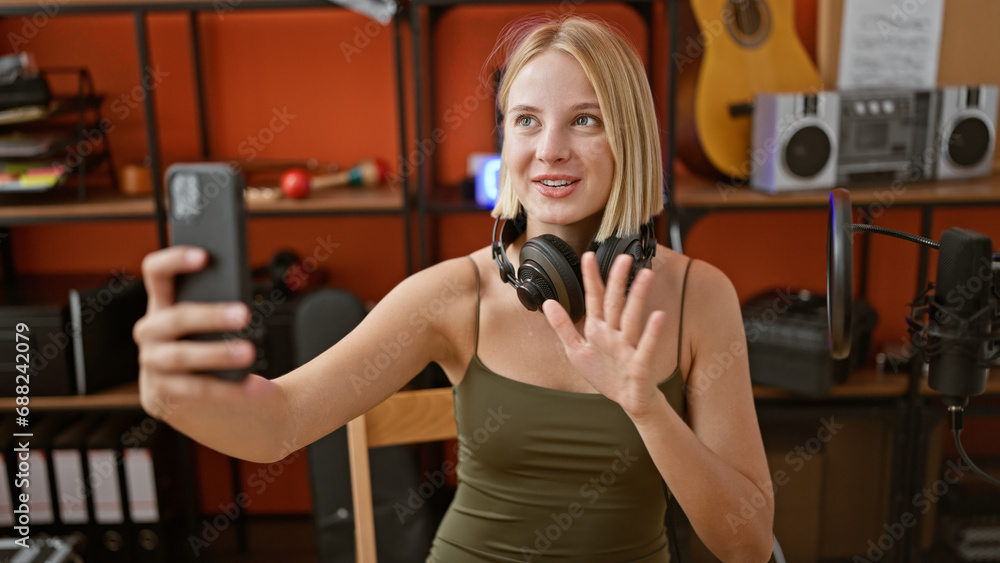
(97, 211)
(140, 11)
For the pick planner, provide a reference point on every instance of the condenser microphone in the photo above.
(959, 326)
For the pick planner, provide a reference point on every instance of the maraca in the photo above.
(297, 183)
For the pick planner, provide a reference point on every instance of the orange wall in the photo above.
(344, 106)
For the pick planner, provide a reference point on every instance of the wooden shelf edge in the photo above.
(97, 205)
(696, 192)
(121, 397)
(381, 199)
(868, 383)
(864, 383)
(114, 206)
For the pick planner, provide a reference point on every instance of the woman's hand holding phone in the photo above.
(172, 367)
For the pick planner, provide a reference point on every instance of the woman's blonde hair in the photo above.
(619, 79)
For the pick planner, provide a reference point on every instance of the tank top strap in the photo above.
(680, 327)
(475, 268)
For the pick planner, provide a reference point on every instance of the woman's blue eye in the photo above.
(587, 120)
(525, 120)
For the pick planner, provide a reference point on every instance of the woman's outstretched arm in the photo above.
(264, 420)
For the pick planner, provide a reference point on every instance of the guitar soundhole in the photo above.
(748, 21)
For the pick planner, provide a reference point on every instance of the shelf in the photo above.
(60, 204)
(698, 193)
(122, 397)
(333, 201)
(864, 383)
(868, 383)
(22, 7)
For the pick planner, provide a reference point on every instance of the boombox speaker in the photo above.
(967, 134)
(794, 142)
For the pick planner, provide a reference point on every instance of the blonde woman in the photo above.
(570, 421)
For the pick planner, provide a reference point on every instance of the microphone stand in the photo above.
(911, 408)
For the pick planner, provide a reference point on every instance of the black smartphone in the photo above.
(207, 209)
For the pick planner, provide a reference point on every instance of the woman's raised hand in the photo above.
(615, 352)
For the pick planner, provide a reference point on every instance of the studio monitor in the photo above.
(967, 132)
(794, 141)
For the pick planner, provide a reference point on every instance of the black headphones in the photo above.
(550, 268)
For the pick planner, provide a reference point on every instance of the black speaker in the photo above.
(322, 318)
(104, 353)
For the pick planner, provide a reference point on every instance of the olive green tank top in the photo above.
(551, 475)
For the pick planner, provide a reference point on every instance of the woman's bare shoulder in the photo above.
(442, 298)
(712, 299)
(674, 267)
(454, 276)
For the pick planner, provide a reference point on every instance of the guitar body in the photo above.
(749, 46)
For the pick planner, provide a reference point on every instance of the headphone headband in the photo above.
(507, 273)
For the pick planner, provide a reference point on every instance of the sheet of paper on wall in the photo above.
(379, 10)
(890, 43)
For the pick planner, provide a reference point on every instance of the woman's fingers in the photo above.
(183, 319)
(175, 388)
(186, 356)
(560, 322)
(614, 295)
(647, 343)
(160, 268)
(593, 286)
(631, 323)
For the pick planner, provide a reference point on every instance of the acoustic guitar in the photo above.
(732, 50)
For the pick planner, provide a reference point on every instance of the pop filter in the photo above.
(839, 273)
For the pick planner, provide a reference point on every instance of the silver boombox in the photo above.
(829, 139)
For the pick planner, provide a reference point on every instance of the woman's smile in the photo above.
(555, 185)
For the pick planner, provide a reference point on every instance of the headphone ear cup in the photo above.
(553, 267)
(605, 253)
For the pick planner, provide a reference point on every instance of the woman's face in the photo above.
(555, 145)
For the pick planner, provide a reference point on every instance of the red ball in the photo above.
(295, 183)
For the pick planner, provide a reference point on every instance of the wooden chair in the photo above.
(407, 417)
